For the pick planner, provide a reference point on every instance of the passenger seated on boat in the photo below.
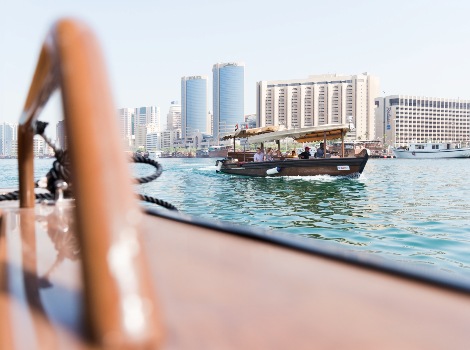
(269, 154)
(320, 151)
(305, 154)
(259, 155)
(294, 153)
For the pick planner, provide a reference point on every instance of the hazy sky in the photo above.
(414, 47)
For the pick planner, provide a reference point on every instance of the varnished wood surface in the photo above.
(225, 292)
(221, 291)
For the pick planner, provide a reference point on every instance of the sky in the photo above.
(413, 47)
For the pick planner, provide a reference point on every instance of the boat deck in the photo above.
(251, 289)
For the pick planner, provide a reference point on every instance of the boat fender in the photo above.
(218, 165)
(273, 171)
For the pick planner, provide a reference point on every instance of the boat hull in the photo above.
(218, 153)
(350, 167)
(429, 154)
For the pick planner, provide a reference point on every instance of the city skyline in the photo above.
(414, 48)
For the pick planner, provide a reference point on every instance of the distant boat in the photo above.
(284, 166)
(202, 153)
(431, 150)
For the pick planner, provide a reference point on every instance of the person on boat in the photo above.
(259, 155)
(294, 153)
(305, 154)
(320, 153)
(269, 154)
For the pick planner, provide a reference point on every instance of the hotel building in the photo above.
(402, 119)
(193, 105)
(228, 97)
(320, 100)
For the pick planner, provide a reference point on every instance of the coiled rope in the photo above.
(60, 171)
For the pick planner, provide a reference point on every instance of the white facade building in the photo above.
(173, 118)
(210, 123)
(320, 100)
(143, 116)
(404, 119)
(126, 127)
(168, 138)
(152, 143)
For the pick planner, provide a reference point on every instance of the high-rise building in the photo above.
(320, 100)
(173, 120)
(228, 97)
(8, 136)
(193, 105)
(404, 119)
(144, 116)
(126, 124)
(210, 123)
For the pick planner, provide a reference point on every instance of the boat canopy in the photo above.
(309, 134)
(243, 133)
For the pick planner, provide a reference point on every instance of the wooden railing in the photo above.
(121, 310)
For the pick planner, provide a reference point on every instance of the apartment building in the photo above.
(319, 100)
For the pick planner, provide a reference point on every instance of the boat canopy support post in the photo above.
(324, 144)
(342, 145)
(106, 210)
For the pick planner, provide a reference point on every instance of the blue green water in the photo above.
(414, 211)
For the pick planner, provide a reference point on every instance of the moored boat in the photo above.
(218, 151)
(431, 150)
(283, 166)
(202, 153)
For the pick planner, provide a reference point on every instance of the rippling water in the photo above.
(415, 211)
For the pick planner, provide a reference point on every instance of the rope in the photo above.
(15, 195)
(60, 171)
(158, 167)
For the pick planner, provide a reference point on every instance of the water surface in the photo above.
(414, 211)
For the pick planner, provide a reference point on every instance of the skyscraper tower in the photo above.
(228, 97)
(193, 105)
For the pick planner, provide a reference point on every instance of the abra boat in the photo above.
(283, 166)
(218, 151)
(99, 271)
(432, 150)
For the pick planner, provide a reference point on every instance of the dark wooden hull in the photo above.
(218, 153)
(351, 167)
